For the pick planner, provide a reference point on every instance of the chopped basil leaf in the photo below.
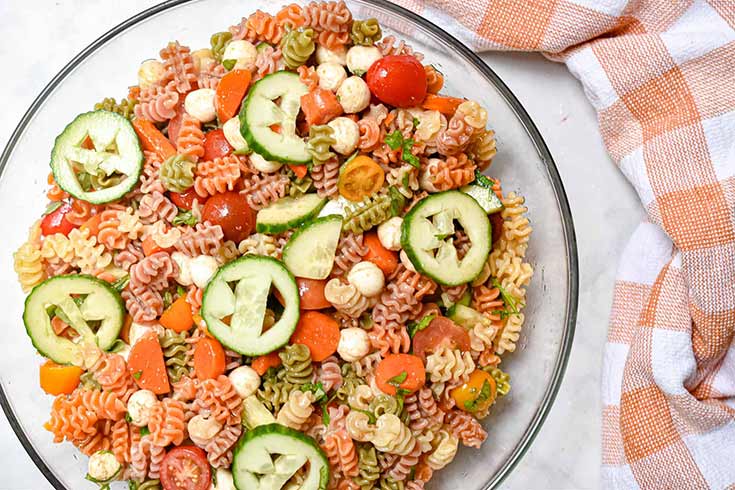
(371, 416)
(317, 389)
(144, 431)
(394, 140)
(409, 157)
(229, 64)
(483, 181)
(325, 415)
(485, 392)
(121, 283)
(137, 374)
(185, 217)
(128, 418)
(414, 327)
(398, 379)
(416, 122)
(508, 299)
(397, 201)
(52, 206)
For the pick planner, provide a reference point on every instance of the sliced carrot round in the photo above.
(261, 364)
(209, 358)
(400, 371)
(318, 332)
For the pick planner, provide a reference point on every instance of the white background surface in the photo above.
(41, 36)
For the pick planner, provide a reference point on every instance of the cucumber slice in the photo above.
(310, 251)
(266, 457)
(466, 316)
(81, 300)
(259, 113)
(116, 157)
(436, 257)
(240, 290)
(255, 414)
(485, 197)
(288, 213)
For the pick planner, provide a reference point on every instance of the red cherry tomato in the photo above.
(496, 220)
(311, 292)
(56, 221)
(185, 468)
(232, 213)
(216, 145)
(185, 200)
(174, 125)
(441, 331)
(398, 80)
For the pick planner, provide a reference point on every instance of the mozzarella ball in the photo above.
(184, 275)
(202, 429)
(245, 380)
(406, 261)
(331, 76)
(353, 95)
(326, 55)
(243, 52)
(231, 130)
(203, 59)
(139, 330)
(360, 58)
(354, 344)
(334, 206)
(200, 104)
(150, 72)
(139, 407)
(389, 233)
(224, 480)
(426, 179)
(103, 466)
(346, 135)
(263, 165)
(202, 268)
(367, 278)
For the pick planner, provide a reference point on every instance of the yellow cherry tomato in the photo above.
(477, 394)
(360, 178)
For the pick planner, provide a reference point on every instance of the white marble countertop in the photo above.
(39, 40)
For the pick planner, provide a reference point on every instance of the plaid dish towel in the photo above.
(661, 75)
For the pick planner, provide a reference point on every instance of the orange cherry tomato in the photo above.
(57, 379)
(360, 178)
(477, 394)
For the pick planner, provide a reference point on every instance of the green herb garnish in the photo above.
(144, 431)
(371, 416)
(398, 379)
(414, 327)
(52, 206)
(137, 374)
(394, 140)
(316, 388)
(397, 201)
(229, 64)
(185, 217)
(121, 283)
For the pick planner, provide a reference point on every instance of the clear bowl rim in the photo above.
(567, 222)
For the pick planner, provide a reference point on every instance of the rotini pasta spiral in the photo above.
(365, 32)
(296, 360)
(175, 353)
(446, 364)
(297, 409)
(297, 46)
(126, 108)
(177, 173)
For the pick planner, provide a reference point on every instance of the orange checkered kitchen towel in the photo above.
(661, 74)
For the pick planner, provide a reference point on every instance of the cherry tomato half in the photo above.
(185, 468)
(230, 210)
(441, 331)
(398, 80)
(311, 292)
(360, 178)
(216, 145)
(184, 200)
(56, 221)
(470, 396)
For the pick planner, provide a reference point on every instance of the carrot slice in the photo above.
(300, 170)
(93, 224)
(320, 106)
(318, 332)
(152, 139)
(209, 358)
(261, 364)
(230, 92)
(57, 379)
(445, 105)
(178, 316)
(386, 259)
(403, 371)
(146, 365)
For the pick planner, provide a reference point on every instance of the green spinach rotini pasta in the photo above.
(218, 43)
(321, 138)
(297, 46)
(176, 353)
(365, 32)
(177, 173)
(125, 107)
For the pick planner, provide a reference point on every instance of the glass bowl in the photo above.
(523, 164)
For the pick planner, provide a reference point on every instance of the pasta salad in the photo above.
(276, 264)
